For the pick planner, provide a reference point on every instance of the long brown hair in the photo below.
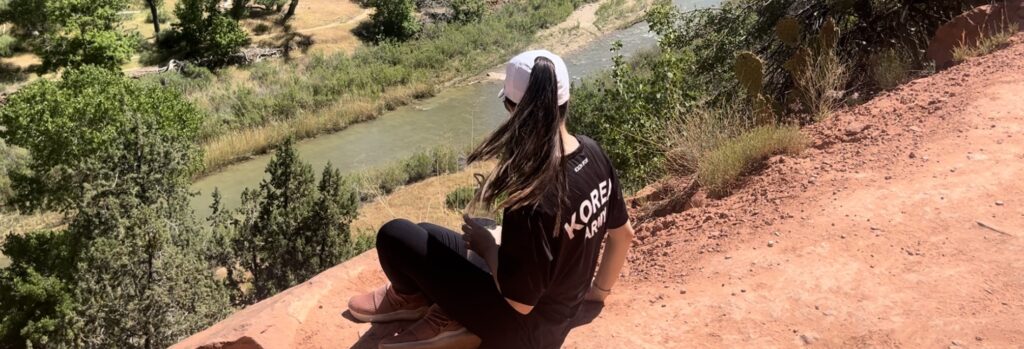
(528, 147)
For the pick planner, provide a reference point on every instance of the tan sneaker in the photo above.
(384, 305)
(433, 331)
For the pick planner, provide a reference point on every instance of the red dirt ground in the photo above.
(875, 242)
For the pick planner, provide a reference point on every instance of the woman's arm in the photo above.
(619, 241)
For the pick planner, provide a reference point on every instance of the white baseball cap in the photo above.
(519, 68)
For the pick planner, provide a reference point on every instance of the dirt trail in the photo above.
(876, 241)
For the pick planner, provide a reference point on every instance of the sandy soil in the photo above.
(869, 240)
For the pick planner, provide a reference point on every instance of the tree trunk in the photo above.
(156, 19)
(291, 11)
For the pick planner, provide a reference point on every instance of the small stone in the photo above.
(842, 236)
(728, 257)
(999, 203)
(875, 228)
(682, 291)
(888, 177)
(978, 338)
(808, 339)
(912, 155)
(776, 233)
(743, 290)
(952, 170)
(771, 243)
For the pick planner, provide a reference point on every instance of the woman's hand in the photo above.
(479, 239)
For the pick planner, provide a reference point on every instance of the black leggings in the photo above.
(432, 260)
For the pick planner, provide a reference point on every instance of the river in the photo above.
(455, 116)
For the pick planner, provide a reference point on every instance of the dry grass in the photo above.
(987, 44)
(721, 169)
(233, 146)
(823, 85)
(719, 145)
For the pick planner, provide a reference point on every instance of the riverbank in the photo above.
(423, 77)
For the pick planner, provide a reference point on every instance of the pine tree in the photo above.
(142, 282)
(290, 229)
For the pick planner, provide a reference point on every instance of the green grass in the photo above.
(385, 180)
(986, 44)
(720, 169)
(458, 199)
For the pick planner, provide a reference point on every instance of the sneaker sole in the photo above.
(401, 315)
(460, 339)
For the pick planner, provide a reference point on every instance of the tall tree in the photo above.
(154, 6)
(290, 229)
(77, 126)
(72, 33)
(291, 11)
(142, 281)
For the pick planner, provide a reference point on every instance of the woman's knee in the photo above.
(392, 233)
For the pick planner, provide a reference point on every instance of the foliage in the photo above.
(802, 68)
(7, 45)
(458, 199)
(468, 10)
(78, 127)
(142, 282)
(393, 19)
(12, 159)
(207, 33)
(35, 291)
(289, 229)
(72, 33)
(128, 272)
(890, 68)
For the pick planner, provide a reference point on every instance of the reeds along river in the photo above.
(455, 116)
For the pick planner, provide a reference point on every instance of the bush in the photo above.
(394, 19)
(207, 33)
(464, 11)
(890, 68)
(719, 169)
(77, 128)
(8, 44)
(458, 199)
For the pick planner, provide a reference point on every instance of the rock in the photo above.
(855, 129)
(771, 243)
(286, 319)
(999, 203)
(967, 29)
(912, 155)
(808, 339)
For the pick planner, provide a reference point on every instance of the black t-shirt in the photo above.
(552, 271)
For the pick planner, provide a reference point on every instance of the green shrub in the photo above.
(78, 128)
(394, 19)
(468, 10)
(890, 68)
(207, 33)
(458, 199)
(8, 44)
